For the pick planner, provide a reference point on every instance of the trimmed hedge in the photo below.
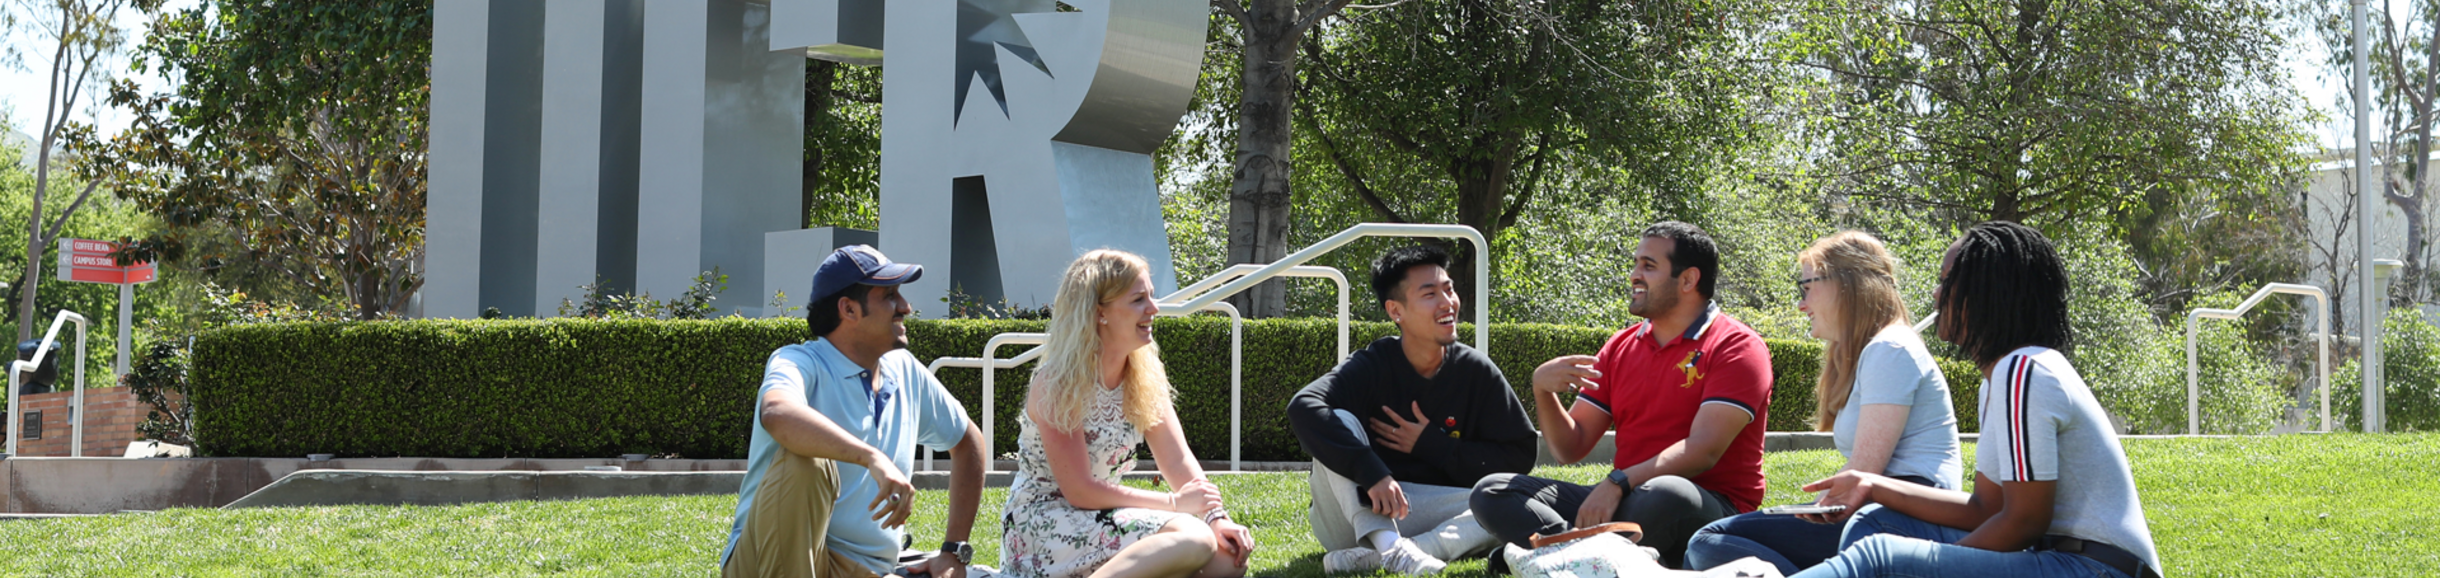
(599, 388)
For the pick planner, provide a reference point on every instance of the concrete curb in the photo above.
(372, 487)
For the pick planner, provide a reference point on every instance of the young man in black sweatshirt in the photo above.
(1402, 430)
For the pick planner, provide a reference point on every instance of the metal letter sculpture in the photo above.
(640, 142)
(1016, 134)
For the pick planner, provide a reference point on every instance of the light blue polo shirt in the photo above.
(904, 406)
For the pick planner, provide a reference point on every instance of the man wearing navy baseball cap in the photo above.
(835, 426)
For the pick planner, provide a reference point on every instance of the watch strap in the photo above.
(963, 551)
(1618, 478)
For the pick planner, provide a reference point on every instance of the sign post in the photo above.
(88, 261)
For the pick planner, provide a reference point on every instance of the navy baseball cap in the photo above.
(860, 265)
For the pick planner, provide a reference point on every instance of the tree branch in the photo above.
(1356, 178)
(1313, 12)
(1234, 10)
(1533, 182)
(52, 233)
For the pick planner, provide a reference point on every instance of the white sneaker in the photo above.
(1747, 567)
(1405, 558)
(1357, 559)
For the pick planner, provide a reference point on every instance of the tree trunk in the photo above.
(1482, 198)
(2408, 283)
(1259, 200)
(33, 238)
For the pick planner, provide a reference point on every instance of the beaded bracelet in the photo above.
(1214, 515)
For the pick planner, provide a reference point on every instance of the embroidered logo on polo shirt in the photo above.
(1692, 374)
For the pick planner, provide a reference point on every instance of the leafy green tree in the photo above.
(102, 217)
(2167, 122)
(295, 135)
(2405, 79)
(1265, 39)
(1462, 110)
(842, 145)
(2050, 111)
(82, 35)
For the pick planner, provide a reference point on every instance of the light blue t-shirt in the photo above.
(2040, 423)
(1895, 368)
(904, 406)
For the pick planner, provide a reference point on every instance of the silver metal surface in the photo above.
(1150, 56)
(722, 147)
(2367, 199)
(592, 75)
(1017, 134)
(479, 210)
(847, 31)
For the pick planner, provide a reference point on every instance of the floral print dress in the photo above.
(1042, 535)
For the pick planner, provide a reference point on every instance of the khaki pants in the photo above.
(788, 522)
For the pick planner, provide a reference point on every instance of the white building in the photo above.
(2329, 202)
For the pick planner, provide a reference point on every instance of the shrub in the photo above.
(2138, 373)
(159, 380)
(602, 387)
(2410, 376)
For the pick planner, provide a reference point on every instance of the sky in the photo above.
(21, 91)
(23, 85)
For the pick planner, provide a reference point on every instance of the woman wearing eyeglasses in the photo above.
(2053, 495)
(1099, 393)
(1880, 395)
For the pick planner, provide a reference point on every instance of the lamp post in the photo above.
(2369, 298)
(2374, 418)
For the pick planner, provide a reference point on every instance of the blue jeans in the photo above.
(1882, 542)
(1785, 541)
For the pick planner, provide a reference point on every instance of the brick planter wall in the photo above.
(112, 414)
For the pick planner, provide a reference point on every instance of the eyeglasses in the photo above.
(1800, 285)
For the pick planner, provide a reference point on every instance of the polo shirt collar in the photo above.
(1702, 322)
(839, 366)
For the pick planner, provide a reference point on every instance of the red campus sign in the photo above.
(88, 261)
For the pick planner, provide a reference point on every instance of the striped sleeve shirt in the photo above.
(2041, 423)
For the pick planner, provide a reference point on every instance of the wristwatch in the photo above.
(1618, 478)
(963, 551)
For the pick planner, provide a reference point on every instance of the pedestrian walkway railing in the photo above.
(2321, 339)
(1208, 295)
(17, 370)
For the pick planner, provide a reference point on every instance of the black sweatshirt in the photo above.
(1474, 425)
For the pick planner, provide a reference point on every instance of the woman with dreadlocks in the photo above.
(2053, 495)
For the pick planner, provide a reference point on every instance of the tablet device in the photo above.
(1804, 509)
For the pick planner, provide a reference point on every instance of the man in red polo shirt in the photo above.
(1686, 389)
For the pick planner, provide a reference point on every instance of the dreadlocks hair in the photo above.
(2006, 289)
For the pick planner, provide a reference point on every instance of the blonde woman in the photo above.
(1099, 393)
(1880, 394)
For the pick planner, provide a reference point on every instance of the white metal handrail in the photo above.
(2321, 337)
(16, 378)
(1204, 296)
(991, 363)
(1482, 267)
(1242, 269)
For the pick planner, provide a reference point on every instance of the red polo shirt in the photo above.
(1651, 391)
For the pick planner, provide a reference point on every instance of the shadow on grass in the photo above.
(1310, 566)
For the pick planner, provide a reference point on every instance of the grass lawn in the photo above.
(2299, 505)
